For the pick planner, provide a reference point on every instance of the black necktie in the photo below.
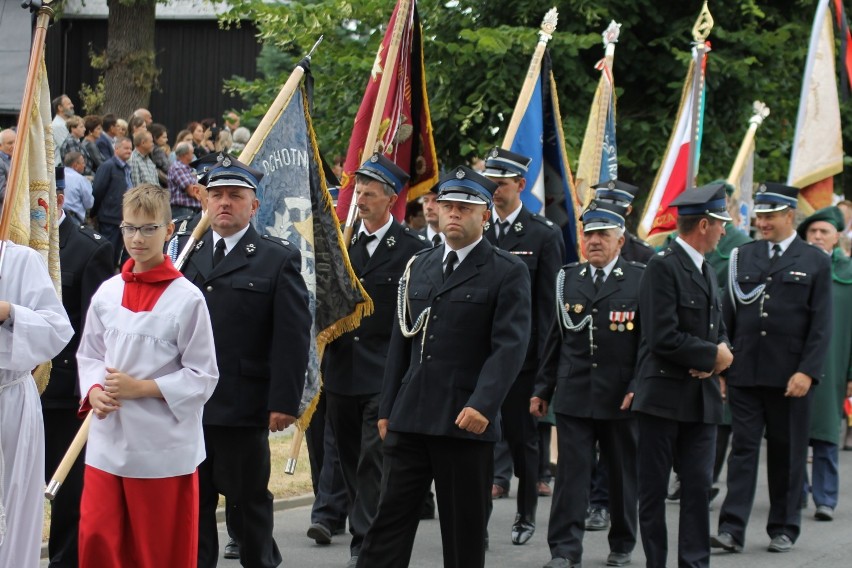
(358, 253)
(504, 229)
(708, 275)
(776, 251)
(452, 257)
(436, 239)
(599, 278)
(219, 253)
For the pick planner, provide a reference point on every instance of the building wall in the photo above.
(195, 58)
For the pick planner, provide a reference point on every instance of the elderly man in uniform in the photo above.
(258, 305)
(678, 394)
(823, 229)
(537, 242)
(616, 192)
(464, 325)
(355, 362)
(778, 314)
(589, 362)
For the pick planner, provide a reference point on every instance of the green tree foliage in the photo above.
(477, 52)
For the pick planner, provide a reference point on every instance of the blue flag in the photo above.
(609, 149)
(549, 189)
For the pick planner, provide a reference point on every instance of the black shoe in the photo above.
(726, 542)
(562, 563)
(232, 550)
(598, 519)
(674, 489)
(780, 543)
(320, 533)
(522, 529)
(618, 559)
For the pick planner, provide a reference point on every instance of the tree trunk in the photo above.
(130, 73)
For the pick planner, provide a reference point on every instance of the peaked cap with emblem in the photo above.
(380, 168)
(501, 163)
(616, 191)
(229, 171)
(203, 165)
(704, 200)
(464, 184)
(600, 215)
(59, 172)
(771, 197)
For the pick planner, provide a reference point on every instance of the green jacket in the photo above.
(829, 394)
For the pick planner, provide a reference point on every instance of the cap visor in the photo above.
(721, 215)
(232, 182)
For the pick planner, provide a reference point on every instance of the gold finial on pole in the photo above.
(703, 25)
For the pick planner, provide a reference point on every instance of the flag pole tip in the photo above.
(703, 25)
(611, 33)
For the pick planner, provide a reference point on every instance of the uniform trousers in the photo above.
(463, 471)
(237, 466)
(660, 439)
(60, 427)
(520, 432)
(138, 523)
(786, 421)
(330, 504)
(353, 420)
(576, 438)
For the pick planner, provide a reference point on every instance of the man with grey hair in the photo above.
(63, 109)
(7, 146)
(181, 181)
(590, 354)
(142, 168)
(144, 114)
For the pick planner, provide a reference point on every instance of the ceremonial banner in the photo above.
(659, 218)
(550, 187)
(599, 153)
(744, 190)
(817, 154)
(34, 216)
(845, 47)
(405, 131)
(295, 205)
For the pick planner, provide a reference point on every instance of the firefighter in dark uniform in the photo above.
(86, 261)
(261, 320)
(589, 361)
(461, 335)
(538, 243)
(678, 396)
(621, 193)
(354, 363)
(778, 313)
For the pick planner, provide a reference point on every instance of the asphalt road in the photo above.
(822, 544)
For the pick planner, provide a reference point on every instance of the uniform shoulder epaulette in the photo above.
(572, 265)
(89, 232)
(665, 252)
(277, 240)
(544, 221)
(636, 263)
(413, 235)
(636, 239)
(502, 253)
(182, 225)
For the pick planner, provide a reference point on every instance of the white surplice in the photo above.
(38, 331)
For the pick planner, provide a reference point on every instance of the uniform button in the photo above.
(769, 279)
(65, 361)
(763, 333)
(467, 297)
(438, 299)
(766, 297)
(431, 337)
(594, 310)
(210, 288)
(764, 315)
(390, 279)
(356, 338)
(711, 326)
(692, 301)
(416, 293)
(428, 357)
(434, 318)
(362, 281)
(251, 284)
(662, 372)
(594, 365)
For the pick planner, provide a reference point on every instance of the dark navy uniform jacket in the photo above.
(787, 329)
(682, 327)
(258, 306)
(590, 382)
(471, 350)
(355, 361)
